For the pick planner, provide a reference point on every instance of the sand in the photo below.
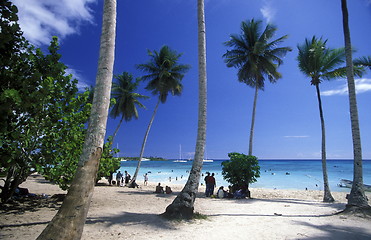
(124, 213)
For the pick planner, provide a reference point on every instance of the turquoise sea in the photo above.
(301, 173)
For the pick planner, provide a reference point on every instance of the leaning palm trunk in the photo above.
(183, 204)
(357, 199)
(117, 128)
(253, 120)
(327, 197)
(131, 184)
(69, 222)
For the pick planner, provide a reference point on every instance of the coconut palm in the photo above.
(164, 77)
(363, 61)
(183, 204)
(257, 57)
(357, 199)
(69, 222)
(126, 99)
(319, 63)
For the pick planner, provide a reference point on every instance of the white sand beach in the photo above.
(124, 213)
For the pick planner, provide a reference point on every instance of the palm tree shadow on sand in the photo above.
(131, 218)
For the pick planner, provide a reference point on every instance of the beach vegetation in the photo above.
(42, 114)
(183, 205)
(164, 76)
(126, 99)
(240, 171)
(357, 200)
(256, 56)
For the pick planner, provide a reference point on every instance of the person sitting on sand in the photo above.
(221, 192)
(159, 188)
(168, 190)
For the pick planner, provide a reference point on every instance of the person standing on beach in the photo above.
(207, 180)
(127, 177)
(212, 184)
(118, 178)
(145, 179)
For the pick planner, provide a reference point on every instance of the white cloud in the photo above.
(40, 20)
(362, 85)
(268, 11)
(82, 83)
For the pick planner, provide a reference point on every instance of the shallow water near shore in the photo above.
(274, 174)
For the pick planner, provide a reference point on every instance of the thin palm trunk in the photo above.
(69, 222)
(144, 145)
(183, 204)
(357, 198)
(117, 128)
(253, 120)
(327, 197)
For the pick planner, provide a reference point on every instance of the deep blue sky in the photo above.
(287, 118)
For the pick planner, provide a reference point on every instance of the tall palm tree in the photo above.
(357, 199)
(319, 63)
(256, 56)
(164, 77)
(69, 222)
(183, 204)
(126, 99)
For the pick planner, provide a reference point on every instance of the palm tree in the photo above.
(69, 222)
(165, 76)
(183, 204)
(256, 57)
(319, 63)
(363, 61)
(126, 99)
(357, 199)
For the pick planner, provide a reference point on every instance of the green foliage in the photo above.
(42, 115)
(241, 169)
(126, 100)
(108, 164)
(165, 73)
(255, 54)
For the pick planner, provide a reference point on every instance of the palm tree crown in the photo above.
(126, 98)
(320, 62)
(254, 54)
(165, 74)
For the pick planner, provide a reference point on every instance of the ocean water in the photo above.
(274, 174)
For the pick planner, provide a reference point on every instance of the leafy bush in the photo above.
(241, 169)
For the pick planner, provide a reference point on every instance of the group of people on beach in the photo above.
(160, 189)
(210, 184)
(121, 180)
(232, 192)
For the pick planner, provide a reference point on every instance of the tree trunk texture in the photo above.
(69, 222)
(357, 198)
(327, 197)
(253, 121)
(183, 205)
(117, 128)
(134, 178)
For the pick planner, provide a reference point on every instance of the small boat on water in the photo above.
(208, 160)
(180, 161)
(348, 184)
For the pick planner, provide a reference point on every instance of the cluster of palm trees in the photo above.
(256, 57)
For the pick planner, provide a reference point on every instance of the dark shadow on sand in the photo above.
(129, 219)
(337, 232)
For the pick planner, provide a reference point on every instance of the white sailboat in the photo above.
(207, 160)
(180, 155)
